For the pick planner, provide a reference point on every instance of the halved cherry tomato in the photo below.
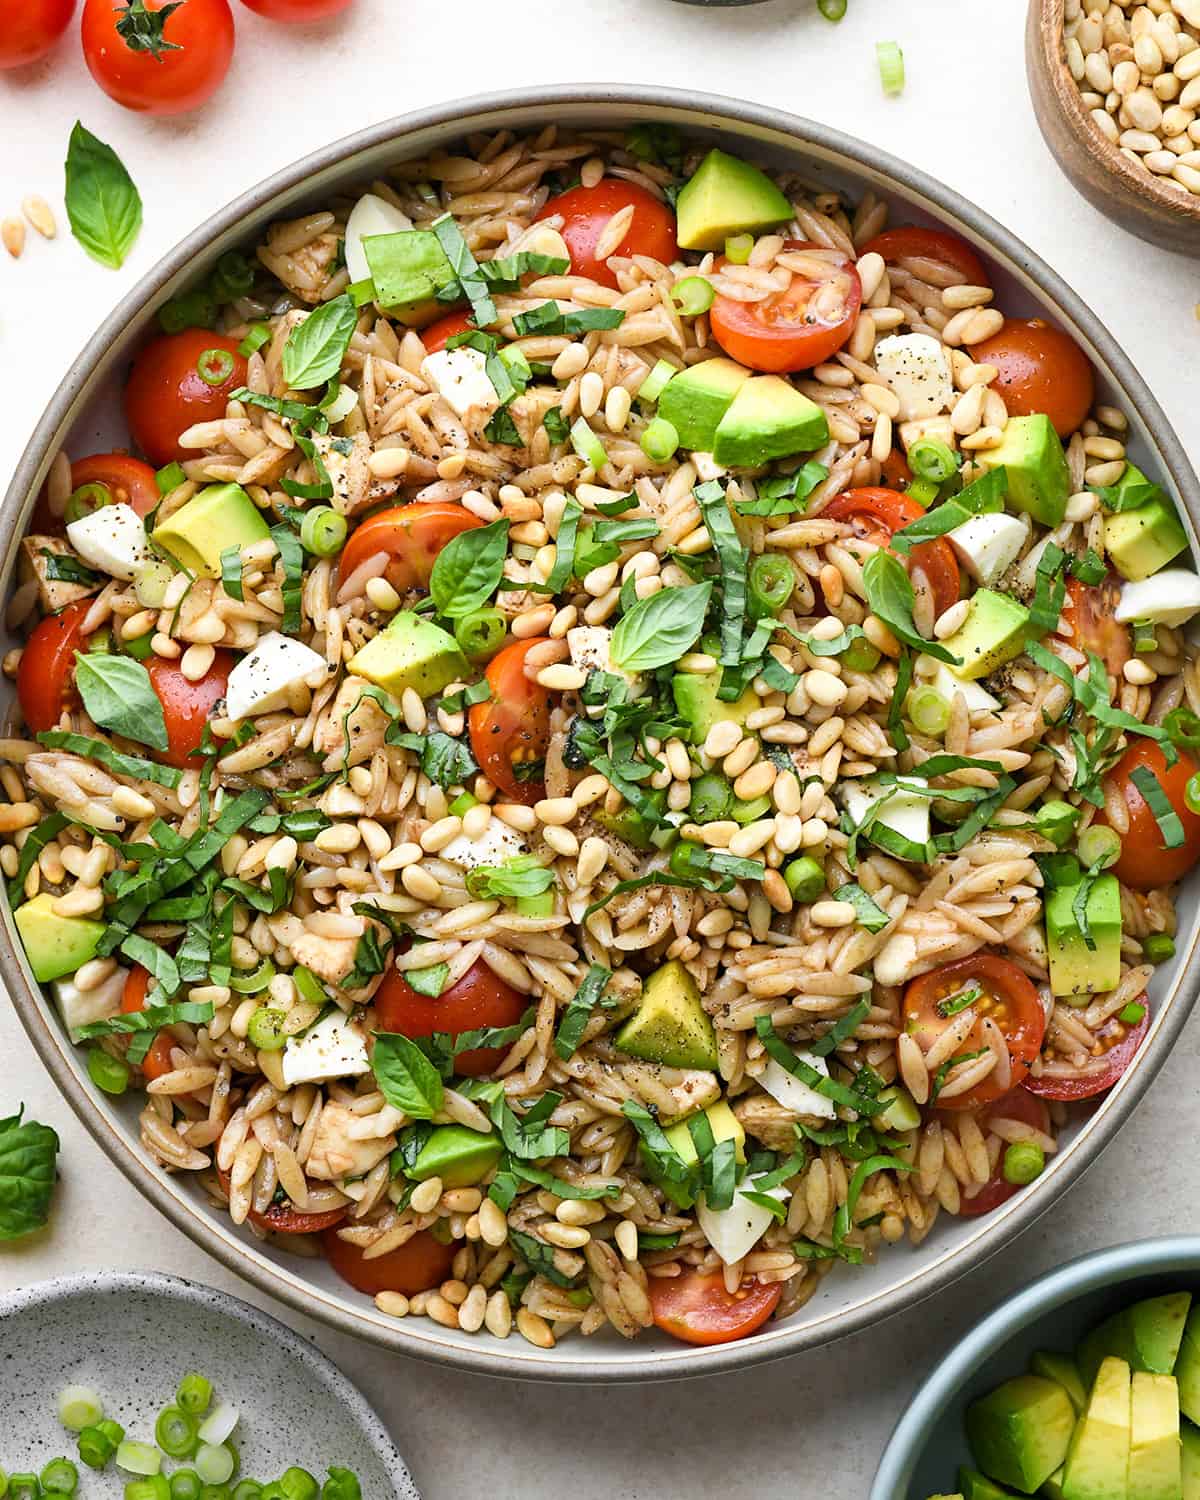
(877, 514)
(128, 480)
(1145, 861)
(1118, 1044)
(166, 393)
(794, 329)
(411, 535)
(1009, 999)
(1017, 1105)
(585, 212)
(187, 706)
(300, 11)
(697, 1309)
(894, 470)
(29, 28)
(133, 998)
(158, 65)
(419, 1265)
(46, 676)
(435, 335)
(912, 242)
(1090, 611)
(480, 998)
(510, 732)
(282, 1218)
(1042, 369)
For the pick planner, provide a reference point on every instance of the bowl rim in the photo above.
(1086, 1273)
(754, 125)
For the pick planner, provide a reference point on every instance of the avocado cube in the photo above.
(992, 634)
(1076, 969)
(1139, 542)
(220, 516)
(695, 695)
(1019, 1432)
(768, 419)
(459, 1156)
(695, 400)
(55, 945)
(1189, 1437)
(976, 1486)
(1039, 480)
(410, 652)
(1061, 1367)
(725, 196)
(1149, 1335)
(1155, 1453)
(1052, 1489)
(408, 269)
(725, 1127)
(670, 1025)
(1187, 1367)
(1097, 1465)
(630, 824)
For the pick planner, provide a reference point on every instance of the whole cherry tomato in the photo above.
(1145, 861)
(29, 28)
(155, 57)
(794, 329)
(172, 385)
(480, 998)
(585, 212)
(877, 514)
(419, 1265)
(697, 1309)
(510, 732)
(1042, 369)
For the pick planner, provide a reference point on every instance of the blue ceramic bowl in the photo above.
(929, 1443)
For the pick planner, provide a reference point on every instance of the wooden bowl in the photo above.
(1128, 194)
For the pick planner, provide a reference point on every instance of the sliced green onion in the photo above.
(175, 1432)
(804, 878)
(463, 803)
(266, 1029)
(156, 1487)
(660, 441)
(60, 1477)
(923, 491)
(298, 1484)
(233, 276)
(588, 445)
(186, 1484)
(749, 811)
(1183, 728)
(1099, 845)
(832, 10)
(247, 1489)
(217, 1426)
(901, 1112)
(79, 1407)
(111, 1074)
(252, 982)
(739, 248)
(692, 296)
(652, 387)
(150, 583)
(215, 1463)
(1191, 794)
(342, 404)
(24, 1487)
(323, 531)
(194, 309)
(257, 335)
(138, 1458)
(342, 1484)
(310, 989)
(891, 67)
(86, 499)
(1023, 1162)
(771, 582)
(169, 478)
(932, 460)
(860, 655)
(215, 366)
(1158, 948)
(481, 634)
(1145, 636)
(195, 1391)
(96, 1447)
(711, 799)
(928, 711)
(1132, 1013)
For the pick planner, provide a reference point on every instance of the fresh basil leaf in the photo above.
(117, 695)
(28, 1172)
(579, 1010)
(468, 569)
(488, 1037)
(953, 1004)
(530, 1138)
(549, 318)
(444, 759)
(867, 912)
(370, 958)
(406, 1077)
(890, 595)
(112, 760)
(517, 877)
(660, 629)
(315, 348)
(103, 206)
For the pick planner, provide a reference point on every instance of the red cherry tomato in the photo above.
(158, 65)
(29, 28)
(133, 998)
(1017, 1105)
(794, 329)
(435, 335)
(166, 392)
(411, 535)
(299, 11)
(1042, 369)
(46, 676)
(1145, 861)
(1117, 1044)
(585, 212)
(911, 242)
(282, 1218)
(187, 706)
(510, 732)
(1009, 999)
(480, 998)
(1090, 611)
(419, 1265)
(698, 1310)
(877, 514)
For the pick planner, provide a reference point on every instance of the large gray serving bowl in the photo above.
(86, 405)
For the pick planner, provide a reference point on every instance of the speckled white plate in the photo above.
(131, 1336)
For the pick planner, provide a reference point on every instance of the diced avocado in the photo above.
(1039, 481)
(725, 1127)
(1189, 1437)
(460, 1157)
(1076, 969)
(408, 269)
(769, 418)
(410, 652)
(1052, 1489)
(993, 633)
(1148, 1335)
(976, 1486)
(695, 695)
(220, 516)
(631, 825)
(900, 1110)
(55, 945)
(1141, 541)
(670, 1024)
(1020, 1431)
(695, 400)
(1060, 1367)
(725, 196)
(1097, 1465)
(1155, 1456)
(1187, 1367)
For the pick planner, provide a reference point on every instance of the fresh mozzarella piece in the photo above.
(904, 812)
(82, 1007)
(707, 467)
(794, 1094)
(370, 215)
(917, 368)
(979, 700)
(333, 1048)
(987, 546)
(460, 376)
(1169, 597)
(734, 1231)
(591, 651)
(112, 539)
(259, 682)
(496, 845)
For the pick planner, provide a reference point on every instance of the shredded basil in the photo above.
(784, 494)
(1169, 823)
(579, 1010)
(868, 913)
(113, 760)
(466, 269)
(953, 1004)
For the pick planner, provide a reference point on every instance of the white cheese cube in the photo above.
(793, 1093)
(259, 682)
(707, 467)
(734, 1231)
(987, 546)
(938, 428)
(905, 813)
(917, 368)
(82, 1007)
(979, 700)
(496, 845)
(460, 376)
(370, 215)
(591, 651)
(112, 539)
(1169, 597)
(333, 1048)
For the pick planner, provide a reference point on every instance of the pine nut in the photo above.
(196, 661)
(832, 913)
(12, 232)
(382, 595)
(561, 677)
(533, 1328)
(626, 1236)
(555, 810)
(427, 1195)
(40, 215)
(824, 688)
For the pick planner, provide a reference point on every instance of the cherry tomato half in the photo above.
(1016, 1105)
(912, 242)
(877, 514)
(133, 998)
(1145, 861)
(1118, 1044)
(510, 732)
(698, 1310)
(166, 392)
(29, 28)
(128, 480)
(1009, 1000)
(411, 535)
(894, 470)
(46, 676)
(1042, 369)
(187, 706)
(793, 329)
(1090, 611)
(282, 1218)
(585, 212)
(419, 1265)
(435, 335)
(480, 998)
(158, 65)
(298, 11)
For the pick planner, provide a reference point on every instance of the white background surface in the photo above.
(815, 1425)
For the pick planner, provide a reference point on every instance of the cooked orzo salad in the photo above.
(628, 740)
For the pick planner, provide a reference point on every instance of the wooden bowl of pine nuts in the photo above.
(1116, 92)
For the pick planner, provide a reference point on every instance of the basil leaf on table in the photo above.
(104, 207)
(468, 570)
(661, 629)
(118, 695)
(406, 1077)
(890, 595)
(27, 1175)
(315, 348)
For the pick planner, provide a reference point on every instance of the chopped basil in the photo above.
(431, 981)
(406, 1077)
(557, 427)
(939, 1078)
(868, 913)
(1050, 591)
(580, 1009)
(1169, 823)
(558, 1185)
(112, 760)
(539, 1257)
(783, 494)
(316, 347)
(297, 412)
(118, 695)
(502, 429)
(548, 318)
(528, 1137)
(104, 207)
(64, 567)
(1090, 568)
(843, 1220)
(660, 1155)
(321, 488)
(35, 841)
(734, 560)
(953, 1004)
(476, 692)
(291, 555)
(504, 275)
(891, 598)
(466, 269)
(848, 1098)
(444, 759)
(231, 572)
(658, 630)
(468, 569)
(151, 1020)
